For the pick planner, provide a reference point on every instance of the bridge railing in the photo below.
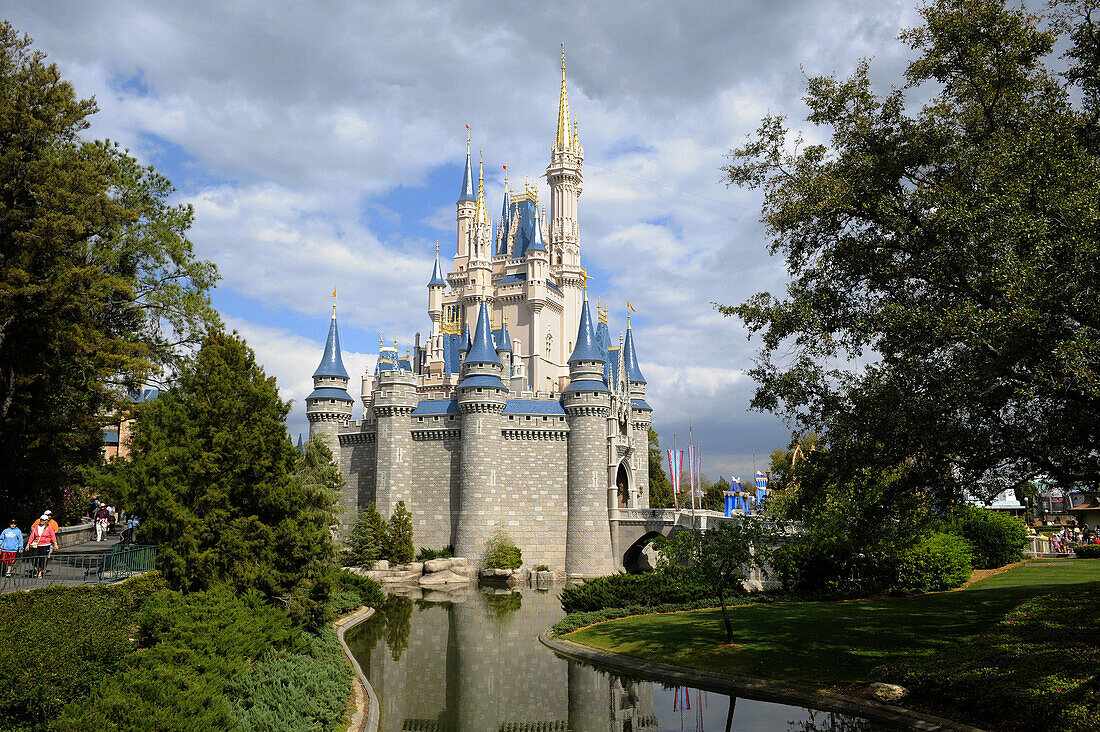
(71, 569)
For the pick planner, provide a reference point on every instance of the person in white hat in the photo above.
(41, 538)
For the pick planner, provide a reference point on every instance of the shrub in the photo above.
(995, 538)
(62, 642)
(938, 562)
(425, 554)
(367, 539)
(294, 692)
(399, 536)
(542, 568)
(1034, 670)
(501, 552)
(1087, 551)
(369, 592)
(642, 590)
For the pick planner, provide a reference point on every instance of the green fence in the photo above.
(71, 569)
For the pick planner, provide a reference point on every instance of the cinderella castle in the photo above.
(519, 412)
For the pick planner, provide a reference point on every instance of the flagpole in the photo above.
(691, 472)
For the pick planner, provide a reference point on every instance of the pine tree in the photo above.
(367, 540)
(221, 489)
(399, 536)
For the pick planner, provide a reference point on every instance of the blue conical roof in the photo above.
(482, 350)
(537, 244)
(503, 340)
(437, 273)
(466, 343)
(467, 193)
(587, 348)
(331, 363)
(632, 371)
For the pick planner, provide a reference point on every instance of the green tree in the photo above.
(100, 291)
(367, 541)
(660, 489)
(942, 309)
(221, 489)
(721, 558)
(399, 535)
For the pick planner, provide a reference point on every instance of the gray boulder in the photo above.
(888, 693)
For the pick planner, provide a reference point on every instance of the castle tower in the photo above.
(538, 272)
(587, 402)
(329, 404)
(480, 268)
(467, 203)
(565, 179)
(436, 285)
(641, 417)
(394, 400)
(481, 400)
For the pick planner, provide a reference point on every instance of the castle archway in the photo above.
(622, 484)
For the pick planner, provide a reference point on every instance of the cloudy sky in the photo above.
(321, 145)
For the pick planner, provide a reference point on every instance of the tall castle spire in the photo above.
(480, 217)
(564, 138)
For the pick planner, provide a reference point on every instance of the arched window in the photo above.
(549, 344)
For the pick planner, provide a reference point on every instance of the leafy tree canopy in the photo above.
(221, 489)
(942, 312)
(100, 291)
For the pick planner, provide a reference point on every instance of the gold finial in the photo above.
(563, 141)
(437, 248)
(381, 340)
(467, 140)
(584, 273)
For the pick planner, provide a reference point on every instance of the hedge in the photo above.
(1036, 670)
(61, 642)
(627, 590)
(1087, 551)
(938, 562)
(995, 538)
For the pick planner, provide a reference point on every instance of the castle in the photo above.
(519, 412)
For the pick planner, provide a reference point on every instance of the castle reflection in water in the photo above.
(474, 662)
(471, 662)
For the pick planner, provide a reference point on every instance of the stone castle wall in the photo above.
(534, 485)
(434, 484)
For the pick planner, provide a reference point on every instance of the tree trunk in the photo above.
(729, 714)
(726, 617)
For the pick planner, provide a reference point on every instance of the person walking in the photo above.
(11, 543)
(101, 519)
(53, 524)
(42, 538)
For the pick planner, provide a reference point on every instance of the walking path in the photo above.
(91, 562)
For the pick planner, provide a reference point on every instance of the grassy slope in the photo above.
(827, 643)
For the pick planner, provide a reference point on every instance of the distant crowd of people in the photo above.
(42, 538)
(1062, 542)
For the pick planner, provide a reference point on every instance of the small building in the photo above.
(116, 435)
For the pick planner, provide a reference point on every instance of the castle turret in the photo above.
(467, 204)
(538, 270)
(481, 399)
(565, 179)
(436, 285)
(393, 401)
(641, 417)
(329, 405)
(587, 402)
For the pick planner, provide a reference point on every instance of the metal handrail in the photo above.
(72, 569)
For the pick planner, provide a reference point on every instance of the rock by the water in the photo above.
(437, 565)
(445, 577)
(888, 693)
(381, 564)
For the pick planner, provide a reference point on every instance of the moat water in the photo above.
(471, 662)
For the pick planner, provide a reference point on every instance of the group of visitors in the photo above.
(41, 540)
(1062, 542)
(104, 518)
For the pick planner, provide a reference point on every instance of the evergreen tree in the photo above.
(399, 536)
(367, 540)
(100, 290)
(220, 488)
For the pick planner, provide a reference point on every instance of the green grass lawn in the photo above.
(831, 643)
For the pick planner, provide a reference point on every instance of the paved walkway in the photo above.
(93, 546)
(75, 565)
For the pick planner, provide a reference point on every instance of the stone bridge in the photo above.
(632, 529)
